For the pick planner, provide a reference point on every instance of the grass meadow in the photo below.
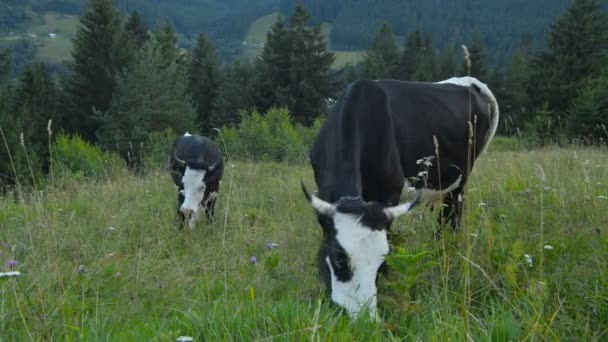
(104, 261)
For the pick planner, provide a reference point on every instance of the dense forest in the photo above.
(500, 24)
(146, 84)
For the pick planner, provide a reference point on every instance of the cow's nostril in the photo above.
(186, 212)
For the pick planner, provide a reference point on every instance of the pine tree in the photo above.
(577, 47)
(204, 81)
(236, 93)
(295, 68)
(36, 97)
(448, 66)
(137, 29)
(382, 56)
(150, 97)
(587, 118)
(99, 53)
(478, 58)
(515, 100)
(409, 59)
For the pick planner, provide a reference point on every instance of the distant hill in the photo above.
(350, 24)
(501, 23)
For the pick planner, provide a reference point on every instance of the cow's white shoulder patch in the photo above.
(495, 112)
(366, 249)
(187, 134)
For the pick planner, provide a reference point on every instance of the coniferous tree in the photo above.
(150, 97)
(100, 51)
(577, 47)
(204, 81)
(296, 68)
(137, 29)
(36, 97)
(448, 65)
(382, 57)
(478, 59)
(587, 118)
(236, 93)
(410, 56)
(515, 100)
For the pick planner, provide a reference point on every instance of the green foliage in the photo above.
(295, 69)
(478, 66)
(514, 103)
(204, 82)
(588, 115)
(577, 47)
(157, 149)
(150, 97)
(77, 160)
(382, 56)
(268, 137)
(92, 81)
(236, 93)
(136, 29)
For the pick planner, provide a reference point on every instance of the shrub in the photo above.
(157, 149)
(269, 137)
(73, 157)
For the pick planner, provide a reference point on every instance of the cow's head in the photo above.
(353, 248)
(191, 178)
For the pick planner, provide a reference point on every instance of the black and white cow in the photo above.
(381, 139)
(197, 167)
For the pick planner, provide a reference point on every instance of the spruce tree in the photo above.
(382, 57)
(36, 97)
(478, 58)
(137, 29)
(236, 93)
(204, 81)
(100, 51)
(410, 57)
(515, 100)
(296, 68)
(150, 97)
(587, 119)
(448, 66)
(577, 47)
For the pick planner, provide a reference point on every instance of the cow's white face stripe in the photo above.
(194, 190)
(365, 249)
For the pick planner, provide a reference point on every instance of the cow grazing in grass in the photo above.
(197, 167)
(381, 139)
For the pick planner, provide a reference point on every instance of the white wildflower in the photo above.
(602, 197)
(481, 204)
(185, 339)
(548, 247)
(474, 235)
(528, 259)
(9, 274)
(422, 174)
(111, 228)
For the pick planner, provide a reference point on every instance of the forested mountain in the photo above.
(502, 24)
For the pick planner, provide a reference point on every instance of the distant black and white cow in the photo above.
(381, 139)
(197, 167)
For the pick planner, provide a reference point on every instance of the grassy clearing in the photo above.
(141, 279)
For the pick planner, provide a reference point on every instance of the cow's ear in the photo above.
(320, 206)
(401, 209)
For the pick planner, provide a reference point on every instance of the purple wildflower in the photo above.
(11, 264)
(253, 259)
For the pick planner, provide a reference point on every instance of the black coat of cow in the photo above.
(379, 132)
(199, 154)
(381, 138)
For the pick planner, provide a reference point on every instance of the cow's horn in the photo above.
(401, 209)
(183, 162)
(318, 204)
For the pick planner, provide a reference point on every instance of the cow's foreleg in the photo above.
(209, 200)
(451, 210)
